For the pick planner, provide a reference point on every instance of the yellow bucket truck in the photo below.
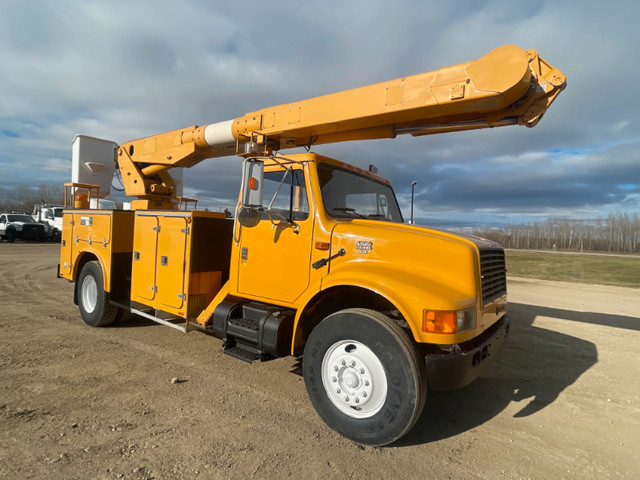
(317, 260)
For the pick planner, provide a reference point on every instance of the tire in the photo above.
(364, 376)
(10, 235)
(94, 303)
(55, 236)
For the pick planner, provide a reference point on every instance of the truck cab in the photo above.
(332, 235)
(51, 217)
(14, 225)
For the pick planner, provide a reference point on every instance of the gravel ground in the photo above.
(142, 401)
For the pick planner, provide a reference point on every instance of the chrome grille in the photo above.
(493, 274)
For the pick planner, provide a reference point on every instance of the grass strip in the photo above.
(615, 270)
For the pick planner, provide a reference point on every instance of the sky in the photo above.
(122, 70)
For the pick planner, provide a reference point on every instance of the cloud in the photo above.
(122, 70)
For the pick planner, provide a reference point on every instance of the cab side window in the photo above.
(286, 192)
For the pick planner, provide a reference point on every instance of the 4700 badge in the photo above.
(363, 246)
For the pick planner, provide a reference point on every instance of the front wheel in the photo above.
(10, 235)
(94, 303)
(364, 376)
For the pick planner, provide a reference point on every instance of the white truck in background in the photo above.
(51, 217)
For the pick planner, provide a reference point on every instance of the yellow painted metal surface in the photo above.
(163, 275)
(145, 252)
(415, 269)
(412, 267)
(66, 246)
(508, 86)
(274, 258)
(91, 232)
(206, 314)
(171, 263)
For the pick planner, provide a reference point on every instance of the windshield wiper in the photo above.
(348, 210)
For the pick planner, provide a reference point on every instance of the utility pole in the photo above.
(413, 186)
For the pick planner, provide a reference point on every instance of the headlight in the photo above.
(437, 321)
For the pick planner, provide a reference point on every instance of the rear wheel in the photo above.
(94, 303)
(364, 376)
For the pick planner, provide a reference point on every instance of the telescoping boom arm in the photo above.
(508, 86)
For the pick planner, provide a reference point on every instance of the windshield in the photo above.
(58, 212)
(347, 194)
(21, 218)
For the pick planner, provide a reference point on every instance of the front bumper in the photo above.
(468, 360)
(31, 232)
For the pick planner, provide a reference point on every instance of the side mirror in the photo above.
(252, 192)
(252, 183)
(249, 217)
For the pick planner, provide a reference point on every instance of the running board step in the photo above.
(178, 323)
(242, 353)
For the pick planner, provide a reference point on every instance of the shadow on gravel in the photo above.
(535, 366)
(129, 320)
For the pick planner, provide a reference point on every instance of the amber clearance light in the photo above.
(437, 321)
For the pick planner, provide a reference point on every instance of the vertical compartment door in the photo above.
(67, 244)
(171, 262)
(143, 266)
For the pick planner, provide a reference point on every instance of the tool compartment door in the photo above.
(171, 261)
(143, 268)
(66, 245)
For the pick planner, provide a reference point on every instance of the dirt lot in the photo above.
(79, 402)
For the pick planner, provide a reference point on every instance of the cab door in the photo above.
(275, 256)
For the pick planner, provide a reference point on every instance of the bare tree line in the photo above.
(22, 199)
(617, 233)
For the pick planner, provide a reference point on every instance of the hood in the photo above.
(410, 233)
(436, 264)
(21, 223)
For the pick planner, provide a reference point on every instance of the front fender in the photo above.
(409, 291)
